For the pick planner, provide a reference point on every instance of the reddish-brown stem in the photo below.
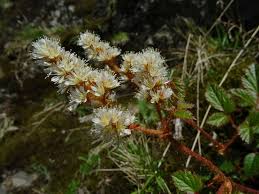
(213, 168)
(233, 139)
(164, 123)
(245, 189)
(205, 134)
(232, 122)
(220, 176)
(158, 109)
(230, 142)
(155, 132)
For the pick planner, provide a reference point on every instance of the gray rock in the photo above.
(18, 180)
(2, 190)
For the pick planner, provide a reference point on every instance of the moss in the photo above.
(47, 144)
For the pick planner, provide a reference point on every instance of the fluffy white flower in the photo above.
(112, 120)
(161, 94)
(108, 54)
(104, 81)
(80, 73)
(63, 68)
(148, 68)
(88, 39)
(129, 60)
(97, 49)
(77, 96)
(143, 93)
(47, 49)
(149, 61)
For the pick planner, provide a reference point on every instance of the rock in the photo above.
(2, 190)
(18, 180)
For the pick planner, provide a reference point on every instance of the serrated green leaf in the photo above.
(218, 98)
(180, 88)
(184, 105)
(246, 132)
(251, 79)
(249, 127)
(251, 164)
(183, 114)
(245, 96)
(187, 182)
(218, 119)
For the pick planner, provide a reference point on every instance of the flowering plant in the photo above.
(146, 71)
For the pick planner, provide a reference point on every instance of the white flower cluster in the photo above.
(74, 75)
(84, 84)
(113, 120)
(146, 69)
(97, 49)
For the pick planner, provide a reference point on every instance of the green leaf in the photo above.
(227, 166)
(245, 96)
(187, 182)
(249, 127)
(253, 119)
(183, 114)
(218, 98)
(250, 82)
(251, 164)
(218, 119)
(184, 105)
(147, 113)
(246, 132)
(251, 79)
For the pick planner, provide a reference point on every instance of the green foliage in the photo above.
(162, 184)
(73, 187)
(251, 164)
(251, 79)
(218, 119)
(90, 162)
(5, 4)
(187, 182)
(249, 127)
(225, 39)
(219, 99)
(246, 132)
(41, 170)
(183, 114)
(182, 111)
(120, 38)
(246, 99)
(30, 33)
(134, 158)
(249, 95)
(227, 166)
(147, 113)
